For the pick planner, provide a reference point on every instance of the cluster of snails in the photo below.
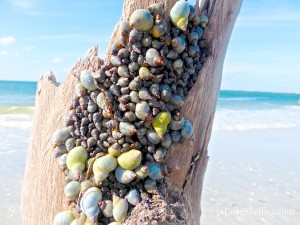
(126, 115)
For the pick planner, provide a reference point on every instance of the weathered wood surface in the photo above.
(42, 192)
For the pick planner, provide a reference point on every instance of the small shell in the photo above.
(127, 129)
(135, 35)
(145, 73)
(179, 14)
(203, 21)
(72, 190)
(141, 172)
(107, 208)
(102, 99)
(179, 44)
(150, 186)
(80, 90)
(60, 136)
(87, 80)
(76, 160)
(187, 130)
(141, 19)
(133, 197)
(105, 163)
(60, 150)
(177, 124)
(153, 137)
(153, 58)
(120, 208)
(144, 94)
(62, 162)
(124, 176)
(89, 203)
(161, 122)
(177, 100)
(135, 84)
(157, 171)
(115, 149)
(154, 90)
(123, 71)
(125, 27)
(156, 9)
(130, 160)
(63, 218)
(165, 92)
(167, 142)
(160, 27)
(159, 154)
(142, 111)
(146, 41)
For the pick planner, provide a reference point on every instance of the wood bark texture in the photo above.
(42, 191)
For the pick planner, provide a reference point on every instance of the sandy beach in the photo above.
(253, 177)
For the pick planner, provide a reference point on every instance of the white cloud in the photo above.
(22, 4)
(28, 48)
(56, 60)
(7, 53)
(7, 40)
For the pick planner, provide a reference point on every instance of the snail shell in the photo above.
(204, 20)
(124, 176)
(80, 90)
(87, 80)
(115, 149)
(127, 129)
(142, 111)
(62, 162)
(107, 208)
(89, 203)
(161, 122)
(141, 19)
(60, 150)
(120, 208)
(179, 44)
(125, 27)
(144, 94)
(133, 197)
(153, 137)
(160, 27)
(157, 171)
(165, 92)
(150, 186)
(153, 58)
(60, 136)
(72, 190)
(76, 160)
(141, 172)
(187, 130)
(156, 9)
(167, 142)
(159, 154)
(145, 73)
(130, 160)
(177, 124)
(179, 14)
(63, 218)
(103, 166)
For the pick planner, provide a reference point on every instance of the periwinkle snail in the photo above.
(126, 115)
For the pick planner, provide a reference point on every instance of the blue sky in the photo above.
(38, 35)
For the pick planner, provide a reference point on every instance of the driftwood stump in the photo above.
(42, 191)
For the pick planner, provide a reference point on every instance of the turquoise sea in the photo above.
(236, 109)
